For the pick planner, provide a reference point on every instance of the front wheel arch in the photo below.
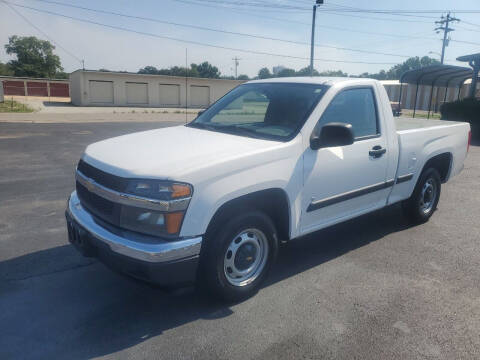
(272, 202)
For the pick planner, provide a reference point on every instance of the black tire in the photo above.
(213, 260)
(415, 208)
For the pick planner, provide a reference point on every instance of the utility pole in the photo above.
(312, 45)
(444, 25)
(236, 59)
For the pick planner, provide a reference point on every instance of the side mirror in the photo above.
(331, 135)
(200, 112)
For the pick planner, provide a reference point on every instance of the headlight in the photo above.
(160, 190)
(152, 222)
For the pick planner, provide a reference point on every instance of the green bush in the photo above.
(464, 110)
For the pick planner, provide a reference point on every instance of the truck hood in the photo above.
(176, 152)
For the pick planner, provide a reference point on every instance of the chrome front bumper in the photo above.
(140, 247)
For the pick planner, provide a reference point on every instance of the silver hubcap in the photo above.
(428, 196)
(245, 257)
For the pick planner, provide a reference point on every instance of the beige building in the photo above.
(98, 88)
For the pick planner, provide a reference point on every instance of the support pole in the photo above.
(312, 45)
(400, 96)
(473, 85)
(430, 102)
(415, 105)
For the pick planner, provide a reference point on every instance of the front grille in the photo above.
(110, 181)
(97, 205)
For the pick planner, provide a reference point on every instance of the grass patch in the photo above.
(421, 115)
(12, 106)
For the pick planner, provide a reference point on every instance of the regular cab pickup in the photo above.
(273, 160)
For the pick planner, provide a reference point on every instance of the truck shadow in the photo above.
(90, 311)
(327, 244)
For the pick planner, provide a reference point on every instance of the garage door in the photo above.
(137, 93)
(101, 92)
(59, 90)
(37, 88)
(199, 96)
(14, 87)
(169, 95)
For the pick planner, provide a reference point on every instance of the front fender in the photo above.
(285, 174)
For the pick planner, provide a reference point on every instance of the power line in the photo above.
(265, 5)
(467, 29)
(469, 23)
(195, 42)
(335, 28)
(283, 20)
(342, 8)
(41, 31)
(218, 30)
(334, 12)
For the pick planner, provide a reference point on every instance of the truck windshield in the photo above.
(274, 111)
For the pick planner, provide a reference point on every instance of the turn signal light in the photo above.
(173, 222)
(180, 190)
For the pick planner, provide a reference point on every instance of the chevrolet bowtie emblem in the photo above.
(89, 185)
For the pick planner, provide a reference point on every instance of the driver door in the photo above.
(345, 181)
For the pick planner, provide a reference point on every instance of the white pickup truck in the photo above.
(269, 162)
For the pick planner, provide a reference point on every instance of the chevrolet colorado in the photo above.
(271, 161)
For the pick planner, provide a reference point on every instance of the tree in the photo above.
(396, 71)
(286, 73)
(334, 73)
(206, 70)
(34, 57)
(243, 77)
(148, 70)
(306, 72)
(264, 73)
(5, 70)
(410, 64)
(61, 75)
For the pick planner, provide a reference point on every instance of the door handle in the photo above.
(377, 151)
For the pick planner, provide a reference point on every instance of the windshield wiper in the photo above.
(200, 125)
(239, 130)
(229, 129)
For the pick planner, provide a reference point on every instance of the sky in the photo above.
(114, 49)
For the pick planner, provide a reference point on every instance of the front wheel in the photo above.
(236, 259)
(423, 202)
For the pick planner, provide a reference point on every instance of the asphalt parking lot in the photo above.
(374, 288)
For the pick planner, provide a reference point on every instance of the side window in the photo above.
(356, 107)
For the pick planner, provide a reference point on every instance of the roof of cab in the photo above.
(320, 80)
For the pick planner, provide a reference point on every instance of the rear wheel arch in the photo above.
(442, 163)
(272, 202)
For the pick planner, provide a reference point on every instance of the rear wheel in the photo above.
(423, 202)
(236, 259)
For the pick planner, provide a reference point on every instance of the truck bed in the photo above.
(421, 138)
(408, 123)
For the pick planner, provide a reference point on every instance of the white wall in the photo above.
(123, 93)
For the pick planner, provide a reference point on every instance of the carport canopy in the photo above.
(435, 75)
